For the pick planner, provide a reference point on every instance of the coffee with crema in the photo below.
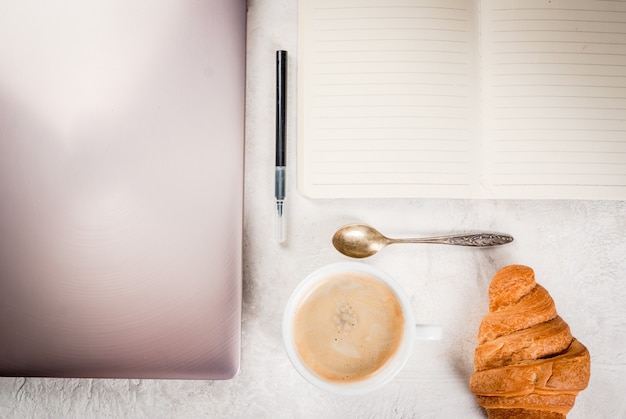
(348, 327)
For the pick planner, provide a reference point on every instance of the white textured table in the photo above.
(578, 251)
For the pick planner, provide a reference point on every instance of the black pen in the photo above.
(281, 162)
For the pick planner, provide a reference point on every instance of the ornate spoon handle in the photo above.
(472, 239)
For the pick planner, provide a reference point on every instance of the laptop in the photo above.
(121, 188)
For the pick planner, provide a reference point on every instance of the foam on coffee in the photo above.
(348, 327)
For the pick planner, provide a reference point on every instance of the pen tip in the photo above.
(280, 222)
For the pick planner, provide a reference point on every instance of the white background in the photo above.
(577, 249)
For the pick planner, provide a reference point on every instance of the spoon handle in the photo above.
(472, 239)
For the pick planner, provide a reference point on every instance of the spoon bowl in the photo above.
(361, 241)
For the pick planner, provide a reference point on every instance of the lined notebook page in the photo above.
(387, 98)
(555, 98)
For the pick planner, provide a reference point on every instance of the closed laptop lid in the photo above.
(121, 184)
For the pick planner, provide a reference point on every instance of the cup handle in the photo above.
(427, 332)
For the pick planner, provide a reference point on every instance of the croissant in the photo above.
(527, 363)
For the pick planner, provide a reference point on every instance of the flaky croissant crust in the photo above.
(528, 364)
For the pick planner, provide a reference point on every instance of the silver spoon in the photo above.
(361, 241)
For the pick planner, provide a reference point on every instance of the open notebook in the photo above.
(462, 99)
(121, 184)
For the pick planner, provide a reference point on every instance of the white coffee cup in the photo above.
(339, 274)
